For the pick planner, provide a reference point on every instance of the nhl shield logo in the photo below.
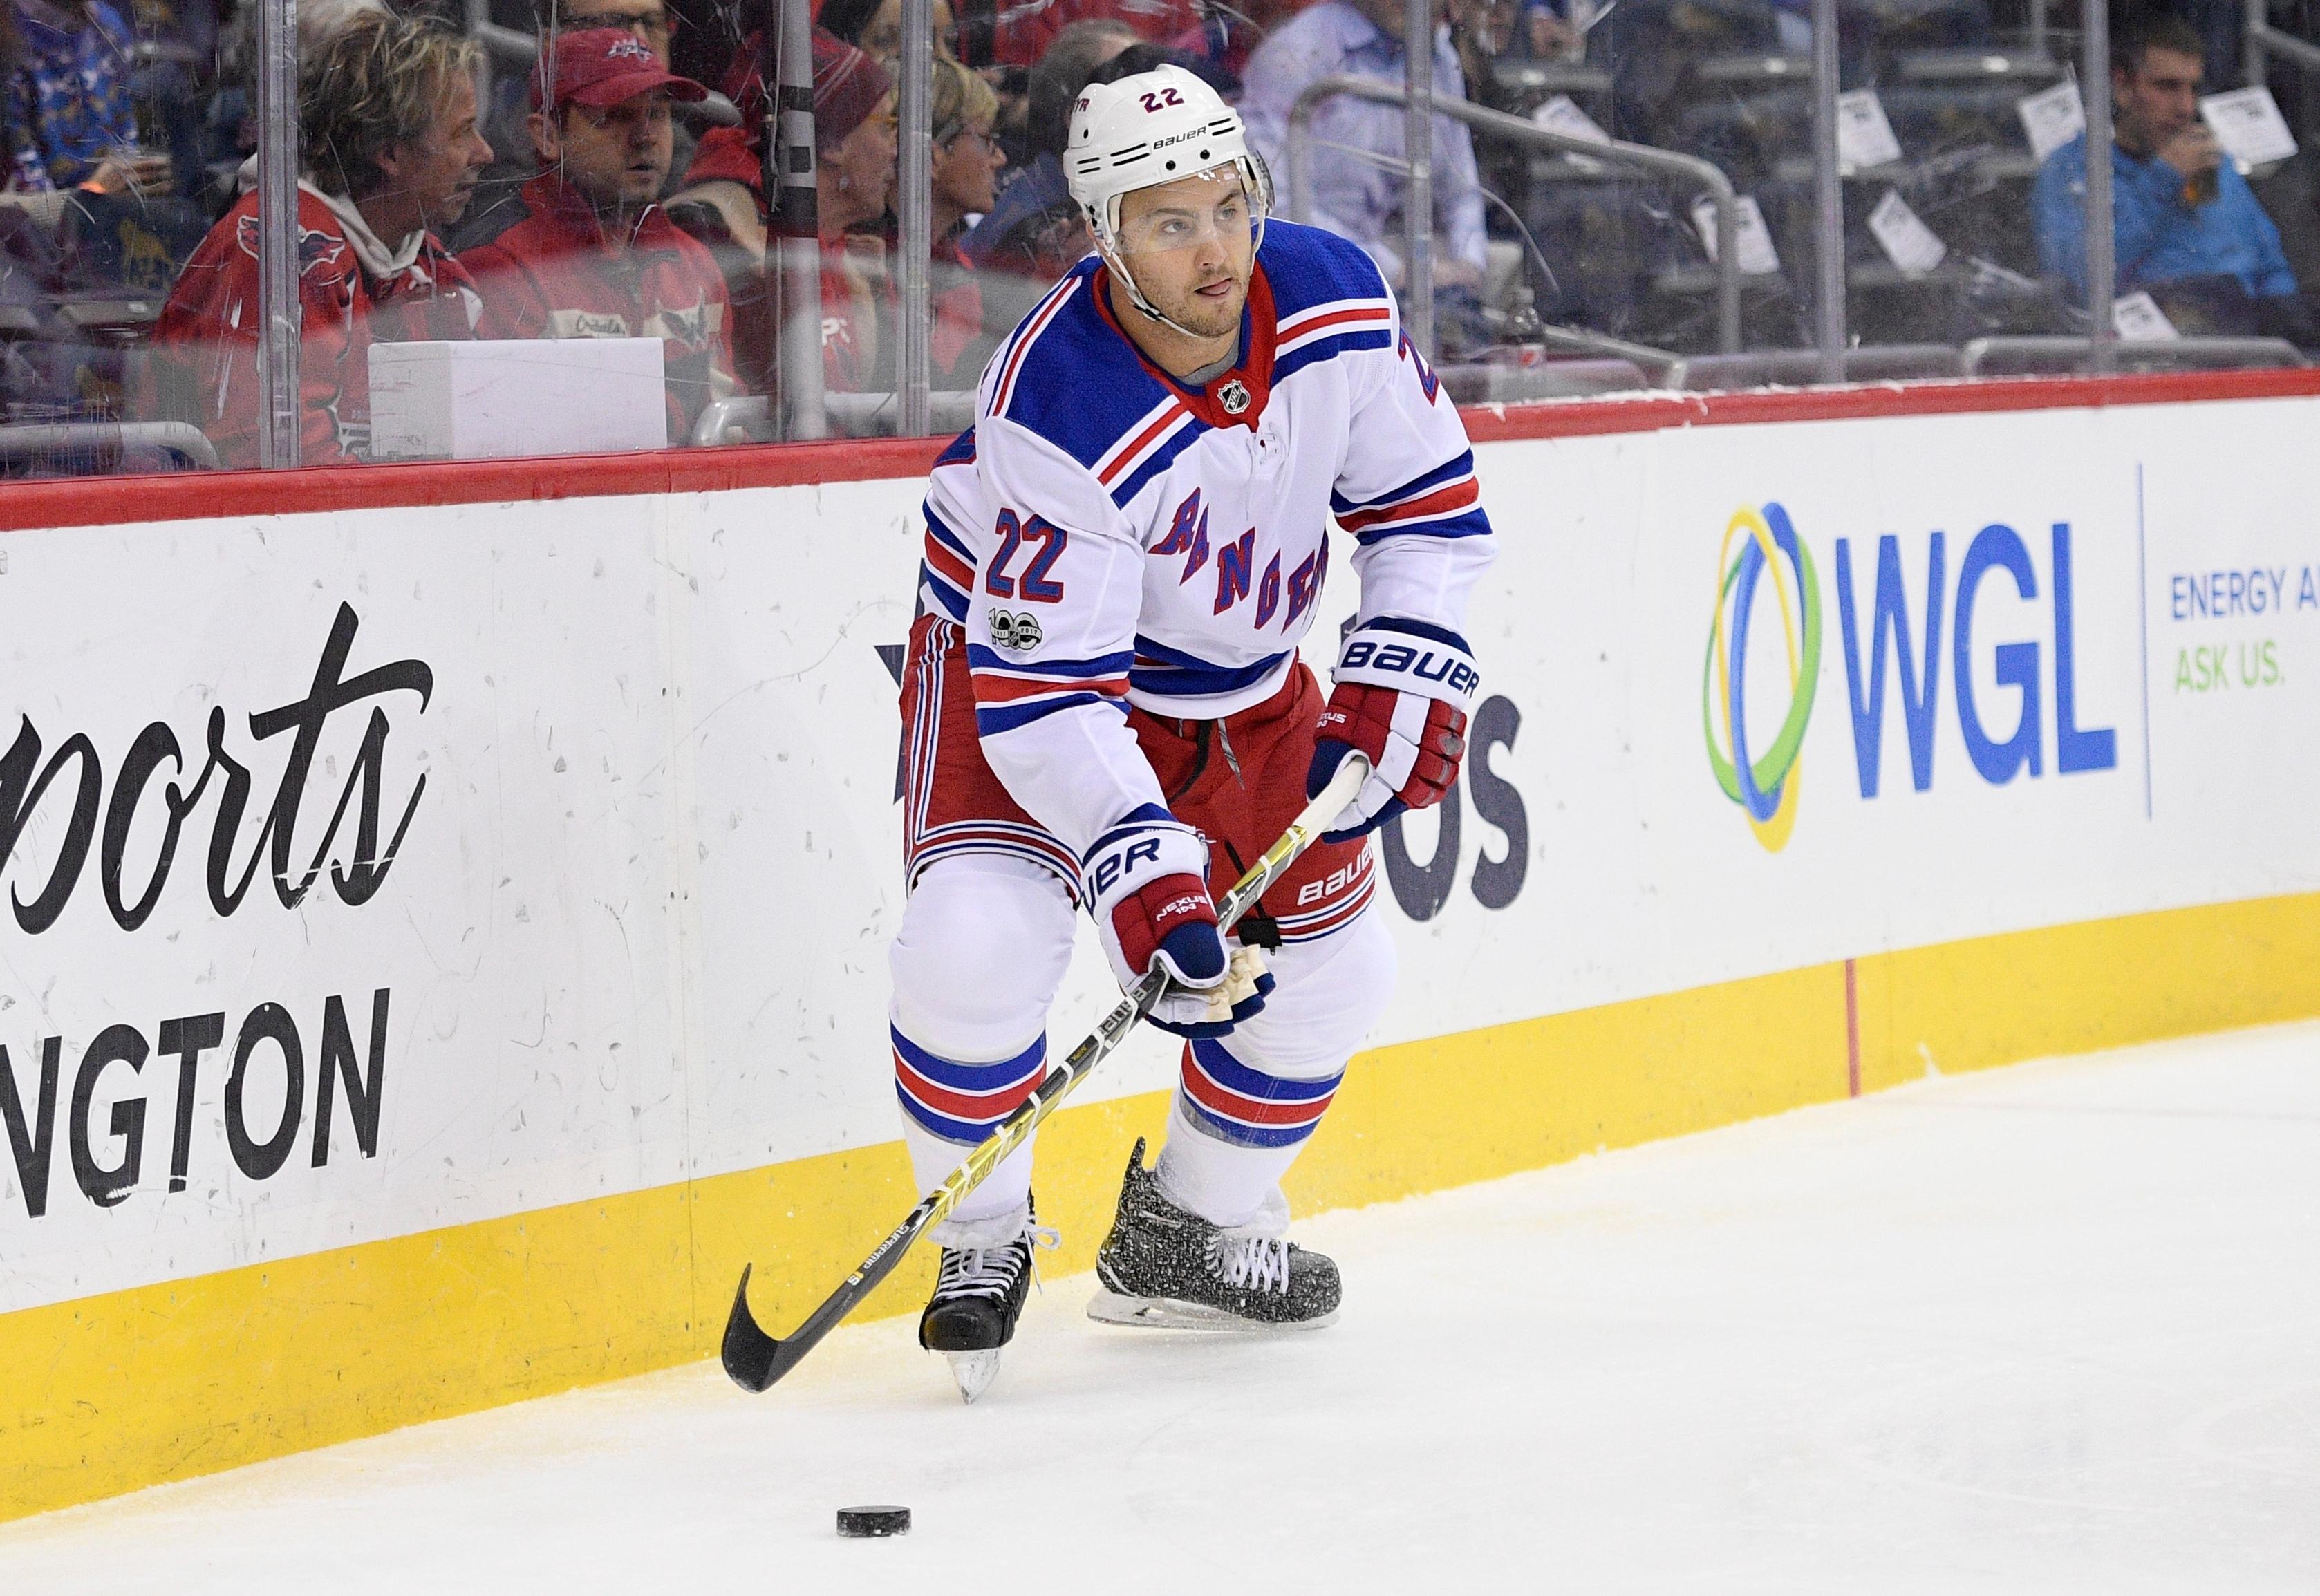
(1235, 396)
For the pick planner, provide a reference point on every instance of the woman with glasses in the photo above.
(725, 206)
(966, 170)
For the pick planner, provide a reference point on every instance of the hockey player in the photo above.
(1105, 708)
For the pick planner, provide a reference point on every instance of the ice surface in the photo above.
(2053, 1329)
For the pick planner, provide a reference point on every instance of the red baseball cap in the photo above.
(600, 67)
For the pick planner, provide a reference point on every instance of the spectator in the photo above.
(2186, 227)
(387, 124)
(1544, 32)
(1482, 32)
(724, 205)
(70, 114)
(1218, 46)
(648, 20)
(1024, 33)
(875, 27)
(966, 158)
(593, 255)
(1035, 230)
(1357, 179)
(510, 117)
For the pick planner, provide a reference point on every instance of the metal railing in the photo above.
(2022, 356)
(2260, 42)
(35, 441)
(1690, 169)
(748, 418)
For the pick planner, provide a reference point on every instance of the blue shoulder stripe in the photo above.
(1310, 266)
(1079, 386)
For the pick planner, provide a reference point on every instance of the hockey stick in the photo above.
(756, 1360)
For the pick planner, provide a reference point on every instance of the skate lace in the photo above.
(1257, 1262)
(990, 1270)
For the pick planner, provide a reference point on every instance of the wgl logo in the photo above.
(1765, 787)
(1881, 629)
(1996, 548)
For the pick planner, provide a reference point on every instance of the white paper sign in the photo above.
(1863, 137)
(1907, 241)
(2139, 320)
(1758, 258)
(2051, 117)
(2248, 125)
(1563, 115)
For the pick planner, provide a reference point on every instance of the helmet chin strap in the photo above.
(1112, 258)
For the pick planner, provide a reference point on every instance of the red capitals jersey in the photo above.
(205, 356)
(554, 273)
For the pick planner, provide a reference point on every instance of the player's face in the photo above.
(1190, 246)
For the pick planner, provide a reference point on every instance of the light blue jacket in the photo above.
(2159, 239)
(1354, 195)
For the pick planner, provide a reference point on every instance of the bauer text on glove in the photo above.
(1147, 888)
(1403, 692)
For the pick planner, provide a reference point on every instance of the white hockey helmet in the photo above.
(1149, 129)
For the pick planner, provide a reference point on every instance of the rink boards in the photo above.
(445, 938)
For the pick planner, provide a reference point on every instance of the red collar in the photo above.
(1260, 329)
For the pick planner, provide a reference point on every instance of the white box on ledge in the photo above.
(493, 399)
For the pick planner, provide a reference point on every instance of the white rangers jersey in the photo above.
(1108, 536)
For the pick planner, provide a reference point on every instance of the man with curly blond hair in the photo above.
(389, 155)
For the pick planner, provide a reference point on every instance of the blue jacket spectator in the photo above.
(1357, 147)
(2179, 210)
(2160, 239)
(69, 100)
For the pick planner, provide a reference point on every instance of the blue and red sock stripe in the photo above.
(961, 1102)
(1241, 1104)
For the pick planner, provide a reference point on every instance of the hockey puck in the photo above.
(861, 1523)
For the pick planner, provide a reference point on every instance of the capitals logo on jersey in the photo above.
(318, 251)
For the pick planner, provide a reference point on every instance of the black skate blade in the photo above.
(754, 1359)
(1167, 1313)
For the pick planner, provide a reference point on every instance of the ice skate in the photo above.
(1164, 1268)
(978, 1296)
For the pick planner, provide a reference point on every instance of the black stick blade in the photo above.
(750, 1354)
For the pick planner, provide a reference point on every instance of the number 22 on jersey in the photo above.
(1032, 587)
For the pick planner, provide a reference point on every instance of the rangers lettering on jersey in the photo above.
(1172, 542)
